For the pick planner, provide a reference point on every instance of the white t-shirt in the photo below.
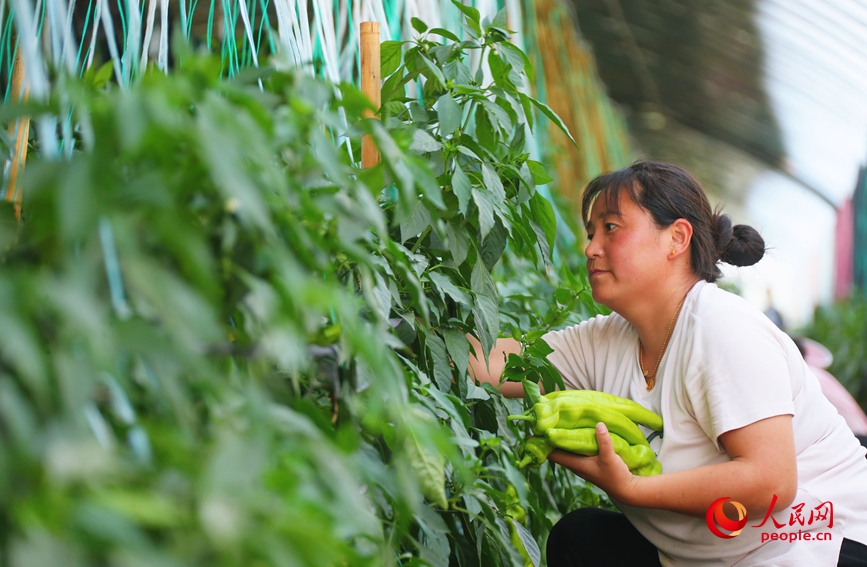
(727, 366)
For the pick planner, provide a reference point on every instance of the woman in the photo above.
(744, 417)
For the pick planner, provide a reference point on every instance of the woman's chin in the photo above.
(598, 294)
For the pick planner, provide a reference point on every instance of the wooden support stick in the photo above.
(370, 85)
(20, 130)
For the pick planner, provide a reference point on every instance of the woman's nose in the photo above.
(592, 249)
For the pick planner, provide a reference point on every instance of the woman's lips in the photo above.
(597, 272)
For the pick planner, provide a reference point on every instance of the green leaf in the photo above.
(435, 551)
(546, 110)
(499, 20)
(498, 116)
(540, 176)
(485, 133)
(529, 543)
(436, 71)
(459, 244)
(423, 142)
(459, 294)
(563, 296)
(493, 246)
(471, 13)
(469, 153)
(528, 111)
(474, 30)
(426, 181)
(442, 371)
(486, 311)
(493, 183)
(518, 143)
(418, 25)
(458, 73)
(531, 392)
(543, 213)
(486, 211)
(499, 71)
(449, 114)
(417, 222)
(445, 33)
(390, 53)
(102, 75)
(426, 461)
(540, 237)
(518, 59)
(458, 347)
(462, 187)
(539, 349)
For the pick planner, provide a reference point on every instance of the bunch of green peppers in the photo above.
(567, 420)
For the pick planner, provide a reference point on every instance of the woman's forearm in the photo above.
(692, 491)
(762, 465)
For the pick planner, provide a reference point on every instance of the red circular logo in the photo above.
(717, 519)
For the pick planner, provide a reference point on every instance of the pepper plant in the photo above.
(225, 344)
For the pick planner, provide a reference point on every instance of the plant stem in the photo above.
(420, 239)
(521, 418)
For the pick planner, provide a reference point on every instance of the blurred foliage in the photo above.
(842, 328)
(226, 345)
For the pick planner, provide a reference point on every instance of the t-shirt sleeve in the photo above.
(739, 372)
(574, 351)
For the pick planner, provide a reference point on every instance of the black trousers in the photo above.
(592, 537)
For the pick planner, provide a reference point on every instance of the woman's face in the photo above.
(626, 253)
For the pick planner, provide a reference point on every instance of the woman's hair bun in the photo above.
(739, 245)
(723, 232)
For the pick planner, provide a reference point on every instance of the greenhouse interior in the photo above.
(311, 282)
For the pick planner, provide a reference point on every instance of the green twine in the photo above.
(11, 48)
(192, 10)
(210, 25)
(78, 64)
(262, 24)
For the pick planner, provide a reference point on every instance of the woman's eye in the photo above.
(609, 224)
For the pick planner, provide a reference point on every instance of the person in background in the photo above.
(818, 358)
(772, 312)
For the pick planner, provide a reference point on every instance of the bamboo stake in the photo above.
(370, 85)
(20, 130)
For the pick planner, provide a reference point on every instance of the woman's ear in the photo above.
(681, 234)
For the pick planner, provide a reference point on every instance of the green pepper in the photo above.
(631, 409)
(574, 413)
(583, 442)
(535, 451)
(514, 509)
(652, 469)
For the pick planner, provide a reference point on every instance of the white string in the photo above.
(111, 39)
(133, 39)
(163, 55)
(96, 20)
(245, 19)
(149, 30)
(303, 23)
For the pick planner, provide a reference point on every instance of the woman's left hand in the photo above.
(606, 470)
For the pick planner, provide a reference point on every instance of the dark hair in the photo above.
(669, 193)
